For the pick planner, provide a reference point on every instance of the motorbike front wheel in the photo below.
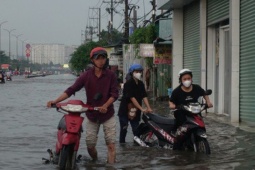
(150, 139)
(66, 160)
(203, 146)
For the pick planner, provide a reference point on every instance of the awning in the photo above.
(5, 66)
(172, 4)
(167, 40)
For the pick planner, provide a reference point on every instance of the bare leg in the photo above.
(92, 152)
(111, 153)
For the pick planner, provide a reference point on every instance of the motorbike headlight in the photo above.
(195, 109)
(74, 108)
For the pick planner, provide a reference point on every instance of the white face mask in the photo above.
(137, 75)
(187, 83)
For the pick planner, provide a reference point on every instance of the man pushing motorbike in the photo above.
(185, 93)
(101, 90)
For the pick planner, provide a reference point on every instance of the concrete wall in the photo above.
(234, 52)
(177, 45)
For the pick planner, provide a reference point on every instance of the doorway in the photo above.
(223, 71)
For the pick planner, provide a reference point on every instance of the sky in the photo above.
(56, 21)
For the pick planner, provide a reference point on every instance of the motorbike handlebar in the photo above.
(181, 107)
(73, 106)
(53, 105)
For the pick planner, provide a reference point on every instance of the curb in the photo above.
(225, 119)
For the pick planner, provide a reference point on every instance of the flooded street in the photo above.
(28, 129)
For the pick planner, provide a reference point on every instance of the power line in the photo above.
(111, 10)
(97, 3)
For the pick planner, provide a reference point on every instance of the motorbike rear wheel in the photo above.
(203, 146)
(66, 160)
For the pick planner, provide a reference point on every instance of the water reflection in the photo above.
(28, 129)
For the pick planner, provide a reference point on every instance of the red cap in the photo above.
(97, 51)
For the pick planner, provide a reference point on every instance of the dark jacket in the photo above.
(131, 89)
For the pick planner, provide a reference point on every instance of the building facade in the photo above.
(47, 53)
(68, 51)
(215, 39)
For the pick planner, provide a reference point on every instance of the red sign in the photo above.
(28, 51)
(162, 61)
(28, 46)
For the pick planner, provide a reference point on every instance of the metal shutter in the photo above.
(191, 46)
(217, 10)
(247, 61)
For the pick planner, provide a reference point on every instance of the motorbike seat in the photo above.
(161, 119)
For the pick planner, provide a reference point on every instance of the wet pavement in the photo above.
(28, 129)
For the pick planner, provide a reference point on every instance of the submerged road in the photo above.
(28, 129)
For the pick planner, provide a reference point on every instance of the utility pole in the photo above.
(99, 24)
(134, 18)
(23, 41)
(153, 3)
(111, 14)
(110, 23)
(86, 35)
(110, 11)
(89, 32)
(126, 25)
(0, 33)
(17, 44)
(82, 35)
(98, 18)
(9, 31)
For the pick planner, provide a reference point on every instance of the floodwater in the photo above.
(28, 129)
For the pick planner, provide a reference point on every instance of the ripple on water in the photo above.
(28, 129)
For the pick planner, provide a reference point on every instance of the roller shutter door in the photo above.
(217, 10)
(191, 46)
(247, 61)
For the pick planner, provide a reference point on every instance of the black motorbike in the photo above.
(160, 131)
(2, 80)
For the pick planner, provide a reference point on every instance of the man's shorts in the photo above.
(92, 130)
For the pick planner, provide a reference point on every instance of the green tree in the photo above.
(144, 35)
(80, 57)
(3, 58)
(114, 37)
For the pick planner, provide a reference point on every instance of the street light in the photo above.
(0, 32)
(9, 31)
(23, 41)
(22, 52)
(17, 38)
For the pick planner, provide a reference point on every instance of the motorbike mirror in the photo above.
(98, 96)
(208, 92)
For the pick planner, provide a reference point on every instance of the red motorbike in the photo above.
(8, 78)
(69, 134)
(160, 131)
